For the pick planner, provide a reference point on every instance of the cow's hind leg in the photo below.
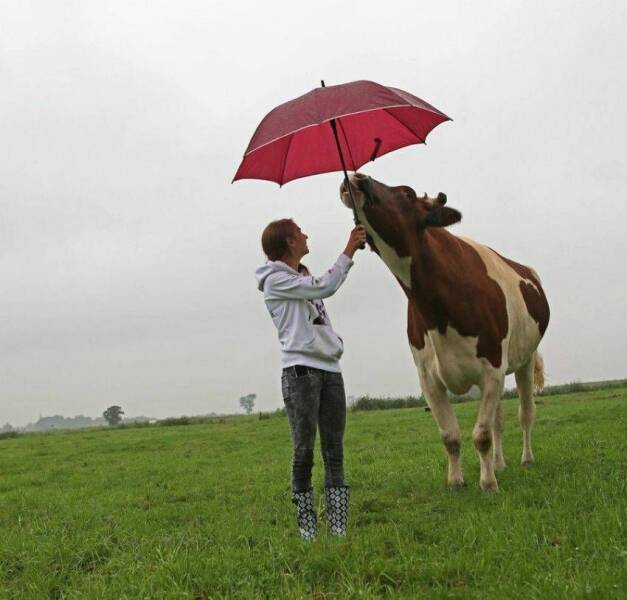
(442, 411)
(491, 390)
(497, 435)
(526, 408)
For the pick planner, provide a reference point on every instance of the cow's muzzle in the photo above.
(361, 185)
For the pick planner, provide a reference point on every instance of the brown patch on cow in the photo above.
(536, 304)
(451, 287)
(533, 295)
(483, 441)
(416, 327)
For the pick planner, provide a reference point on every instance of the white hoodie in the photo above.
(294, 302)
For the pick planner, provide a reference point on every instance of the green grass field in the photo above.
(203, 511)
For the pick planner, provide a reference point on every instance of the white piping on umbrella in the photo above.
(435, 111)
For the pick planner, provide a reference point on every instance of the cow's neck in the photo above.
(401, 266)
(429, 269)
(418, 270)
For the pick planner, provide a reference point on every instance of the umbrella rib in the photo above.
(287, 151)
(348, 146)
(404, 125)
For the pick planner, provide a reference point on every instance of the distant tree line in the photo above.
(58, 422)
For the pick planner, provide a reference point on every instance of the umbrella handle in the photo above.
(377, 145)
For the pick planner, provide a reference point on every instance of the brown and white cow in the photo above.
(473, 315)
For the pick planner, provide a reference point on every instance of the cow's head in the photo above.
(397, 214)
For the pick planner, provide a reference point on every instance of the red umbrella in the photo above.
(332, 128)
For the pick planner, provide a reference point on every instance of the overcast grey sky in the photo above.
(127, 257)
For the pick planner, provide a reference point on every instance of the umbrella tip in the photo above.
(322, 83)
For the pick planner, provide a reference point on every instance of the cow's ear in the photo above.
(442, 216)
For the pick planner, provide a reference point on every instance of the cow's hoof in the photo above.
(489, 486)
(456, 484)
(527, 462)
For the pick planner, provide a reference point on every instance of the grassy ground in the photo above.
(203, 511)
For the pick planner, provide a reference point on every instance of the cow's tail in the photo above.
(538, 372)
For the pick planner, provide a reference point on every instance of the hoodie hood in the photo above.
(269, 267)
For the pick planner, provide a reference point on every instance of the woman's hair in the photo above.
(274, 238)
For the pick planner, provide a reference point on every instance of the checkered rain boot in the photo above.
(337, 509)
(305, 514)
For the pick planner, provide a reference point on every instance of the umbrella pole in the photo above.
(339, 151)
(348, 185)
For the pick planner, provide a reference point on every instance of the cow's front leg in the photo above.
(482, 433)
(442, 411)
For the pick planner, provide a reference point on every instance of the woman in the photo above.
(312, 384)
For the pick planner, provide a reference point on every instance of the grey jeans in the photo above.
(315, 400)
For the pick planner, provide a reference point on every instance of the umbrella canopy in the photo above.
(296, 139)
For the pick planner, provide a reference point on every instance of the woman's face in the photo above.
(297, 242)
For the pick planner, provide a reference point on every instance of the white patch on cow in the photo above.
(453, 359)
(523, 335)
(400, 266)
